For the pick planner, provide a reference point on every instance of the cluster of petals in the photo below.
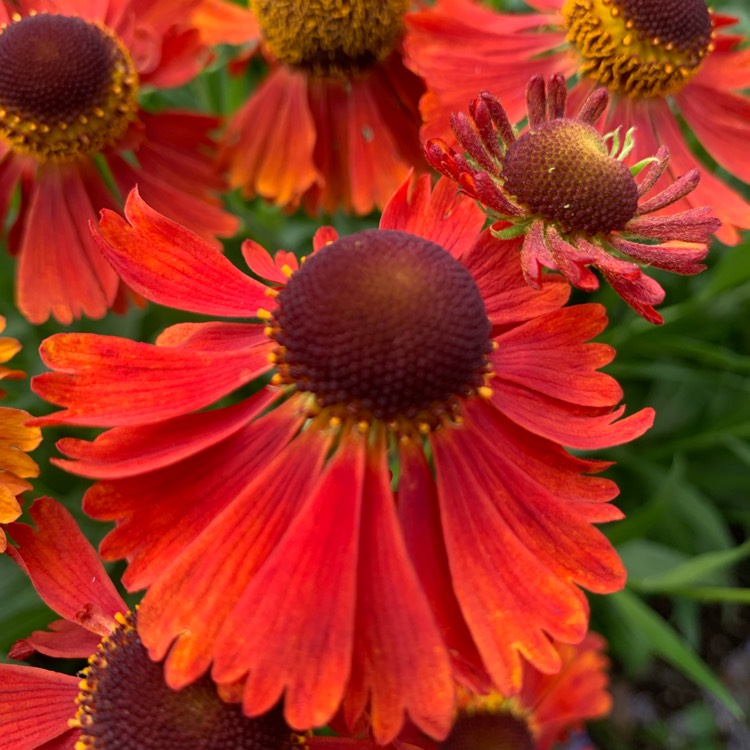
(16, 440)
(674, 242)
(39, 705)
(348, 594)
(461, 47)
(170, 155)
(325, 142)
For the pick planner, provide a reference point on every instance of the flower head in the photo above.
(69, 113)
(396, 500)
(661, 60)
(16, 440)
(119, 700)
(545, 712)
(566, 189)
(335, 123)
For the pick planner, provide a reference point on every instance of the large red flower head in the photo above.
(120, 700)
(392, 509)
(16, 440)
(662, 60)
(335, 123)
(565, 188)
(73, 139)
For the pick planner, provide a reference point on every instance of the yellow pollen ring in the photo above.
(615, 55)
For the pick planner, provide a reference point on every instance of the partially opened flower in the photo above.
(546, 711)
(393, 509)
(120, 701)
(566, 189)
(336, 122)
(73, 140)
(16, 440)
(664, 62)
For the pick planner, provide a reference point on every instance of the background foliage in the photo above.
(680, 633)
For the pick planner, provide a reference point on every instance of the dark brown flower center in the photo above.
(124, 704)
(562, 171)
(486, 731)
(67, 87)
(640, 48)
(383, 325)
(331, 38)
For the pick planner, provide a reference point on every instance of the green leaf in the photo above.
(670, 646)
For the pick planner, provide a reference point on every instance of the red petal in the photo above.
(508, 299)
(400, 662)
(152, 382)
(442, 215)
(269, 143)
(64, 567)
(168, 264)
(66, 640)
(128, 451)
(158, 512)
(219, 565)
(550, 355)
(308, 589)
(37, 706)
(60, 270)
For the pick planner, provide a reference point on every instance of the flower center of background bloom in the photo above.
(561, 170)
(67, 87)
(124, 703)
(331, 38)
(383, 325)
(640, 48)
(485, 731)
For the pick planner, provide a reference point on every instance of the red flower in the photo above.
(566, 189)
(73, 138)
(120, 701)
(16, 440)
(335, 123)
(661, 59)
(394, 509)
(545, 712)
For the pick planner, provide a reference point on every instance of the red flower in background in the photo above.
(414, 346)
(546, 711)
(120, 701)
(335, 123)
(662, 60)
(567, 191)
(74, 139)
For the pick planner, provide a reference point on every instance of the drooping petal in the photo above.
(158, 512)
(311, 578)
(400, 662)
(81, 593)
(268, 146)
(168, 264)
(60, 270)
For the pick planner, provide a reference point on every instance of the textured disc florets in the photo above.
(125, 704)
(67, 87)
(561, 170)
(485, 731)
(330, 37)
(640, 48)
(382, 325)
